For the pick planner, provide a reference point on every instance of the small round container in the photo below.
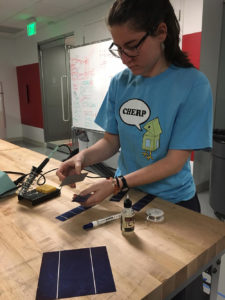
(154, 215)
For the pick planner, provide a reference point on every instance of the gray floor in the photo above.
(44, 150)
(203, 197)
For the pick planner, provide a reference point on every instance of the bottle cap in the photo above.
(127, 203)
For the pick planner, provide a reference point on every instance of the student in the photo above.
(157, 111)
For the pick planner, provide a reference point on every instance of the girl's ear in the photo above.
(161, 31)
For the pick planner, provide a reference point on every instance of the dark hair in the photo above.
(146, 15)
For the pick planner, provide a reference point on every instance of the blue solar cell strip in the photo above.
(118, 197)
(47, 284)
(71, 213)
(102, 271)
(143, 202)
(75, 277)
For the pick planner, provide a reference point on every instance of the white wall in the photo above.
(88, 26)
(192, 21)
(9, 81)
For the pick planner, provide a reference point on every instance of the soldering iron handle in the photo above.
(42, 165)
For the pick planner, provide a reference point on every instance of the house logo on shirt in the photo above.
(135, 112)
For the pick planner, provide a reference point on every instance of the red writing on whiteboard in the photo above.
(75, 60)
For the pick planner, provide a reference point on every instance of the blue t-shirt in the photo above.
(172, 110)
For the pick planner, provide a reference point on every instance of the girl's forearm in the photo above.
(101, 150)
(163, 168)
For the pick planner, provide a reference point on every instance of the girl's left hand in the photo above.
(99, 191)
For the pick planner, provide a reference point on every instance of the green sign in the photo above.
(31, 29)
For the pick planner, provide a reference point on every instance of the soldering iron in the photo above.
(35, 171)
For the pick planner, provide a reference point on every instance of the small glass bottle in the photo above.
(127, 216)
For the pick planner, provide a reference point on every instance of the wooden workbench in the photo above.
(4, 145)
(150, 263)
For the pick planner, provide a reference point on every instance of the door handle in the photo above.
(2, 106)
(62, 99)
(27, 94)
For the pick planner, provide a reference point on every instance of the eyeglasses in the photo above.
(128, 51)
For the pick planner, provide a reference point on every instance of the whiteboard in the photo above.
(92, 67)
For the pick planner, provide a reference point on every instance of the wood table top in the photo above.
(4, 145)
(151, 262)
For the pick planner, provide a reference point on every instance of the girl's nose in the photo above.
(125, 59)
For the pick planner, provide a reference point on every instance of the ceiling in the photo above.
(16, 14)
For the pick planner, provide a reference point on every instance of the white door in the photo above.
(178, 6)
(55, 90)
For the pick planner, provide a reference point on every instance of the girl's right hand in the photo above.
(72, 166)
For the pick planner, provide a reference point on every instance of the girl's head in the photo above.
(153, 17)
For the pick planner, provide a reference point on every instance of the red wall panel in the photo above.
(191, 44)
(29, 87)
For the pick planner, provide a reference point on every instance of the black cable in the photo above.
(95, 176)
(65, 145)
(20, 179)
(42, 175)
(50, 171)
(93, 173)
(17, 173)
(39, 178)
